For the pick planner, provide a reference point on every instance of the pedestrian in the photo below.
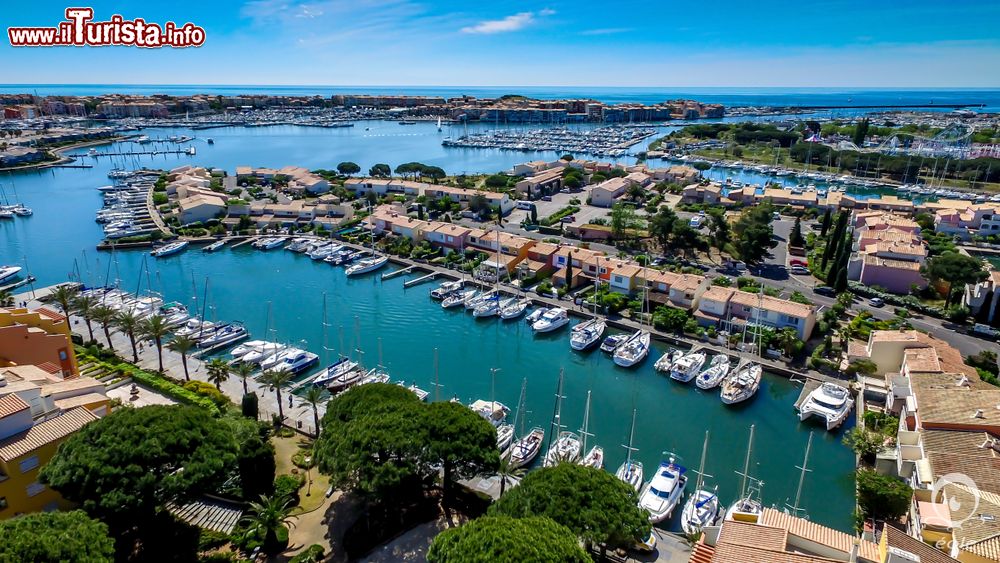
(289, 401)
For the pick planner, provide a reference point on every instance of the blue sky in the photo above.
(559, 42)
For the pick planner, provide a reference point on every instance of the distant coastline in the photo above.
(728, 96)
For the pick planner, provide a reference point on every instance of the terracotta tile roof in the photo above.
(816, 533)
(768, 303)
(718, 293)
(872, 260)
(544, 248)
(753, 535)
(80, 401)
(727, 553)
(703, 553)
(688, 282)
(46, 312)
(44, 433)
(657, 276)
(922, 360)
(627, 270)
(901, 540)
(11, 404)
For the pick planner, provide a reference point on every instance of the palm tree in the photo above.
(182, 345)
(105, 316)
(128, 323)
(155, 328)
(64, 296)
(275, 379)
(244, 370)
(507, 470)
(218, 372)
(266, 517)
(313, 396)
(7, 299)
(787, 338)
(84, 305)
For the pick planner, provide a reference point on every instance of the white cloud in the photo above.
(606, 31)
(515, 22)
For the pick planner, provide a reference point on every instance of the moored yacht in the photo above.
(702, 507)
(170, 248)
(587, 334)
(612, 342)
(526, 449)
(553, 319)
(716, 372)
(535, 315)
(742, 385)
(687, 367)
(447, 288)
(9, 272)
(339, 375)
(664, 491)
(830, 402)
(633, 350)
(366, 265)
(514, 310)
(566, 448)
(458, 298)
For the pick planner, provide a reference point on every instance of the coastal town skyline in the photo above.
(530, 44)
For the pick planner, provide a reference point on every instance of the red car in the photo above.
(797, 262)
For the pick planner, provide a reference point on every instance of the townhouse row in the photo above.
(520, 257)
(388, 186)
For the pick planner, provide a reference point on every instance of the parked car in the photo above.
(546, 198)
(824, 290)
(797, 262)
(985, 330)
(776, 216)
(800, 270)
(876, 302)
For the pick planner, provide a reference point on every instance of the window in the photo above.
(62, 355)
(34, 488)
(3, 503)
(28, 464)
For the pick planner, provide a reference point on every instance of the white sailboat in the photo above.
(631, 470)
(702, 507)
(748, 506)
(742, 385)
(595, 456)
(525, 450)
(633, 350)
(458, 298)
(588, 333)
(565, 445)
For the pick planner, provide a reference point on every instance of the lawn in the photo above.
(313, 493)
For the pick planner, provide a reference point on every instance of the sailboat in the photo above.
(524, 450)
(439, 124)
(742, 385)
(794, 509)
(342, 373)
(588, 333)
(633, 350)
(371, 263)
(748, 506)
(717, 371)
(702, 507)
(595, 457)
(565, 445)
(631, 470)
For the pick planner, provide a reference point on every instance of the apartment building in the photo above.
(39, 337)
(733, 309)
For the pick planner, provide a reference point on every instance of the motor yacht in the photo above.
(247, 347)
(587, 334)
(493, 411)
(633, 350)
(612, 342)
(715, 374)
(366, 265)
(9, 272)
(742, 385)
(687, 367)
(320, 252)
(446, 289)
(259, 355)
(295, 362)
(553, 319)
(666, 361)
(664, 491)
(227, 334)
(335, 374)
(830, 402)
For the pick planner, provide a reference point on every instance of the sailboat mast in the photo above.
(493, 390)
(437, 380)
(629, 448)
(802, 476)
(519, 417)
(746, 464)
(326, 349)
(701, 466)
(586, 424)
(556, 425)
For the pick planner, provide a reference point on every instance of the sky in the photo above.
(776, 43)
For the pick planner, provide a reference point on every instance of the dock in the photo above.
(306, 380)
(421, 279)
(245, 241)
(17, 284)
(406, 270)
(140, 153)
(808, 387)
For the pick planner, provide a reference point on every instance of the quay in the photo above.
(390, 275)
(141, 153)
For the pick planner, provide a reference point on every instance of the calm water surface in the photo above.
(407, 325)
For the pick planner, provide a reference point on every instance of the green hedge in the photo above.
(908, 301)
(168, 388)
(313, 553)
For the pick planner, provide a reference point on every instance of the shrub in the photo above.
(882, 497)
(312, 554)
(207, 390)
(248, 406)
(289, 485)
(169, 388)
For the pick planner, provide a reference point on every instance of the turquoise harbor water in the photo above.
(61, 235)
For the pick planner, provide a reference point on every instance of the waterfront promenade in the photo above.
(298, 413)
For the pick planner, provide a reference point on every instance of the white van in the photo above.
(696, 222)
